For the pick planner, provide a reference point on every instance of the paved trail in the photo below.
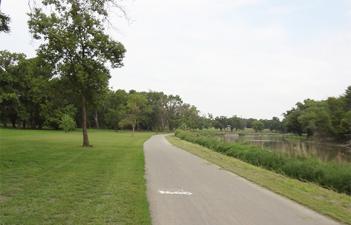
(186, 190)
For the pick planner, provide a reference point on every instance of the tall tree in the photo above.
(347, 97)
(189, 117)
(257, 125)
(158, 116)
(11, 86)
(173, 110)
(76, 43)
(136, 109)
(114, 108)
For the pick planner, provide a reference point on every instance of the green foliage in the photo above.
(4, 23)
(29, 96)
(113, 109)
(9, 98)
(76, 43)
(148, 111)
(54, 116)
(275, 125)
(190, 116)
(238, 123)
(327, 118)
(327, 174)
(67, 123)
(257, 125)
(77, 46)
(345, 124)
(136, 109)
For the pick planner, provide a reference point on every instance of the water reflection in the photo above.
(280, 143)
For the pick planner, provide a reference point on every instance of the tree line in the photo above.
(326, 118)
(330, 118)
(66, 84)
(30, 96)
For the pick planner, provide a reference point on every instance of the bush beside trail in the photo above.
(333, 175)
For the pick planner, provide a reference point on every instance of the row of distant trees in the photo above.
(238, 123)
(330, 118)
(144, 111)
(30, 97)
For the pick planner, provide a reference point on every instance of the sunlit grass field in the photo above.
(46, 177)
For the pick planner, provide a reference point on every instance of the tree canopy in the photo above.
(326, 118)
(75, 43)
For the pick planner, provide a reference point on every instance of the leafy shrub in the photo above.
(336, 176)
(67, 123)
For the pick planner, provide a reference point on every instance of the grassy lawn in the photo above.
(47, 178)
(324, 201)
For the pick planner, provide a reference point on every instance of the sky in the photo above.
(250, 58)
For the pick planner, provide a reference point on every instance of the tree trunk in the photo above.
(24, 124)
(163, 127)
(96, 119)
(133, 126)
(84, 123)
(13, 123)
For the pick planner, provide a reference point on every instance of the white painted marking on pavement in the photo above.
(174, 192)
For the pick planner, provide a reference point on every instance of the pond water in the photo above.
(280, 143)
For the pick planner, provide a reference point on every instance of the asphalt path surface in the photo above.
(184, 189)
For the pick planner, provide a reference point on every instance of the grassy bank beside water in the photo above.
(332, 175)
(322, 200)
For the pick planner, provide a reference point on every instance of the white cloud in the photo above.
(281, 10)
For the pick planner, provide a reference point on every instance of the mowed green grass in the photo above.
(46, 177)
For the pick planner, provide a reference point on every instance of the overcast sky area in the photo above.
(251, 58)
